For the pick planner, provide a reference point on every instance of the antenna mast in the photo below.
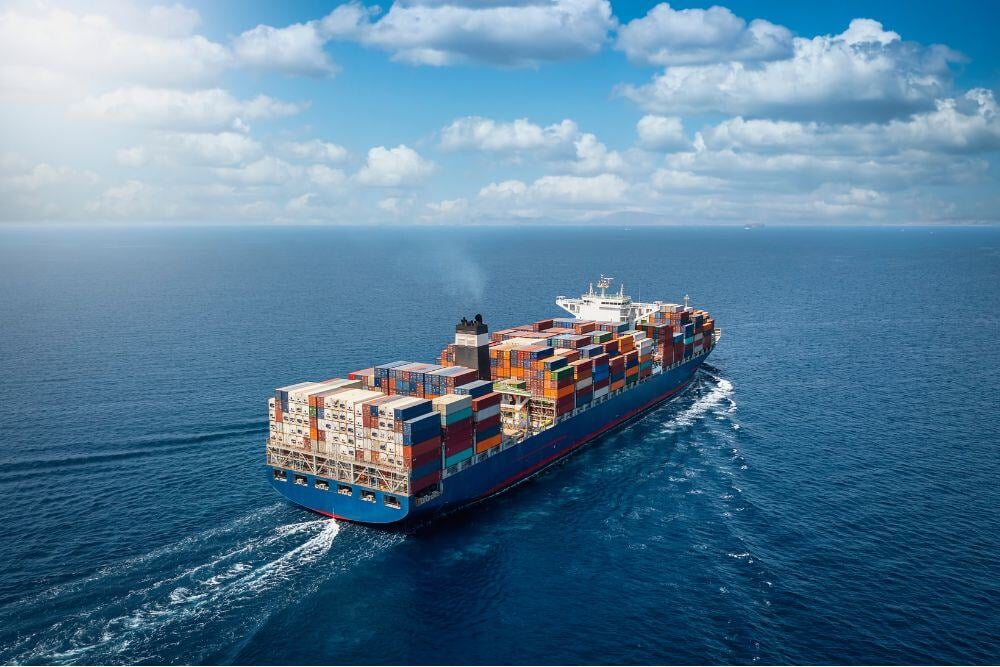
(604, 283)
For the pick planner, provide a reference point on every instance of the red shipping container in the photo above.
(412, 452)
(424, 459)
(458, 445)
(486, 401)
(487, 423)
(424, 482)
(457, 430)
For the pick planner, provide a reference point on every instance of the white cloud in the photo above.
(970, 124)
(666, 36)
(211, 109)
(503, 190)
(394, 167)
(602, 189)
(790, 172)
(561, 143)
(316, 151)
(201, 148)
(135, 156)
(296, 49)
(18, 175)
(302, 203)
(671, 179)
(175, 20)
(268, 170)
(55, 54)
(133, 200)
(865, 73)
(486, 134)
(662, 133)
(506, 34)
(594, 157)
(448, 208)
(325, 177)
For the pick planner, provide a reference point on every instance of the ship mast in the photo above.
(604, 283)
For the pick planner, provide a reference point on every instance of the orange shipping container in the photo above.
(488, 443)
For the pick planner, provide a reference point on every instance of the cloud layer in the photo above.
(130, 113)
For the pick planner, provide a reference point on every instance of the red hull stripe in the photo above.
(586, 438)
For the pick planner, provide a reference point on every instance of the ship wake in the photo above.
(719, 397)
(150, 617)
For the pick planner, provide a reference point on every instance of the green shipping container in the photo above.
(561, 373)
(458, 458)
(457, 416)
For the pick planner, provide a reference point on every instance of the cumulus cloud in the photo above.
(505, 34)
(672, 179)
(561, 142)
(133, 200)
(174, 20)
(295, 49)
(486, 134)
(662, 133)
(17, 174)
(316, 150)
(394, 167)
(969, 124)
(594, 157)
(200, 148)
(176, 109)
(326, 177)
(667, 36)
(268, 170)
(563, 189)
(864, 73)
(55, 54)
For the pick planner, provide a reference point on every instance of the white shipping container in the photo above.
(387, 410)
(585, 382)
(603, 391)
(451, 403)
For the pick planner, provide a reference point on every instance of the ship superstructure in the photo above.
(404, 441)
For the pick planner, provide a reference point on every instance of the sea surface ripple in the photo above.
(825, 492)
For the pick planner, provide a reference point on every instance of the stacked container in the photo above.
(338, 423)
(602, 374)
(444, 380)
(457, 433)
(486, 419)
(583, 378)
(422, 449)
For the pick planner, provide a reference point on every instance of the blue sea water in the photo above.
(826, 493)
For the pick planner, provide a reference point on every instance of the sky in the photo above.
(499, 112)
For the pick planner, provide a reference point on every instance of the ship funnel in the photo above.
(472, 345)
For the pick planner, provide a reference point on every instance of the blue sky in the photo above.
(499, 111)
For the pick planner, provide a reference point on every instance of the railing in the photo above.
(360, 473)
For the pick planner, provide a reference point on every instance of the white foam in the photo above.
(167, 602)
(719, 394)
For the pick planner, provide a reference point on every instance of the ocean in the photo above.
(826, 492)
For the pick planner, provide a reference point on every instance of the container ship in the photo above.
(403, 442)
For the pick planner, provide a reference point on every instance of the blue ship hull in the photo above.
(498, 472)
